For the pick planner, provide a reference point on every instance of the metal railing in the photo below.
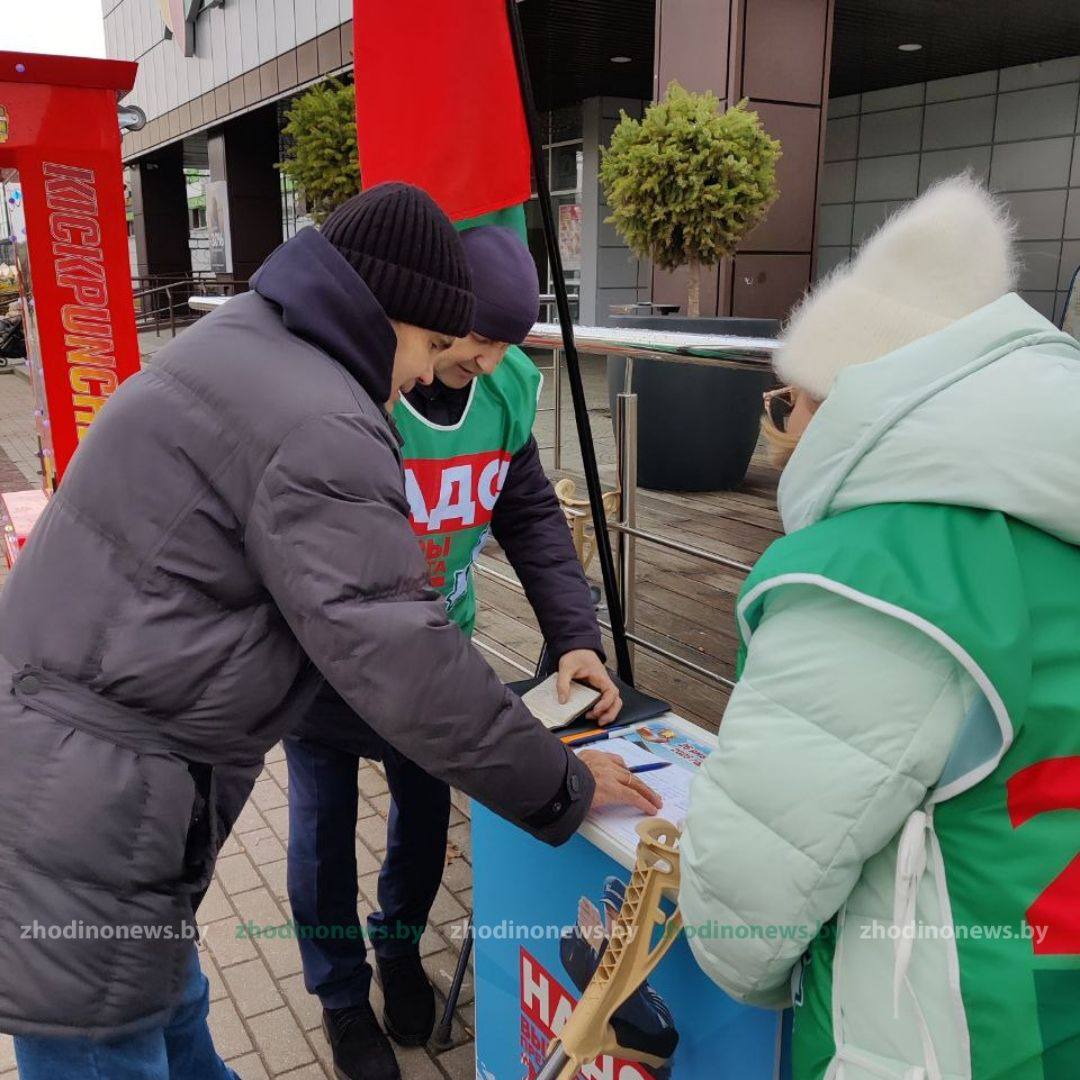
(749, 354)
(169, 301)
(711, 350)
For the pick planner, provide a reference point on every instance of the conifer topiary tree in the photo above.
(321, 156)
(687, 182)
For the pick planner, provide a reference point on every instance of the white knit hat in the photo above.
(936, 260)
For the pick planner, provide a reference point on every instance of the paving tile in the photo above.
(267, 795)
(280, 1041)
(307, 1007)
(371, 781)
(282, 954)
(275, 940)
(7, 1053)
(252, 988)
(275, 754)
(314, 1071)
(227, 1029)
(227, 944)
(249, 1067)
(461, 836)
(366, 862)
(276, 876)
(431, 942)
(317, 1039)
(369, 886)
(262, 845)
(278, 820)
(237, 873)
(381, 803)
(249, 819)
(459, 1063)
(279, 770)
(467, 1015)
(231, 846)
(215, 904)
(364, 809)
(259, 907)
(372, 831)
(416, 1064)
(457, 875)
(213, 976)
(459, 1033)
(440, 969)
(446, 908)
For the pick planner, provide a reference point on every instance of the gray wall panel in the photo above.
(285, 20)
(1014, 130)
(305, 20)
(249, 32)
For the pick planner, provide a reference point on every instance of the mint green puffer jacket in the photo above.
(857, 727)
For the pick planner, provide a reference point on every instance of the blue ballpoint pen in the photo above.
(650, 766)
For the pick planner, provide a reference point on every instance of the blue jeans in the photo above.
(323, 886)
(182, 1050)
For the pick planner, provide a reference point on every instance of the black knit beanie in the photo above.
(409, 255)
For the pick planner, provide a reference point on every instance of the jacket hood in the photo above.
(326, 302)
(980, 414)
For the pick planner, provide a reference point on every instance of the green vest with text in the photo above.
(1003, 822)
(454, 474)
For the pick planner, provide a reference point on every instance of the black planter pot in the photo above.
(697, 425)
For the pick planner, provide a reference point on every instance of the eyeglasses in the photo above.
(779, 405)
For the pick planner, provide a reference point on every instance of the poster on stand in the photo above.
(542, 919)
(570, 236)
(218, 237)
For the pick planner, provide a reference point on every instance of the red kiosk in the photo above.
(62, 182)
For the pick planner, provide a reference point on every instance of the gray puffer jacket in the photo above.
(236, 509)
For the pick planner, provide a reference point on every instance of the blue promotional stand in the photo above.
(528, 901)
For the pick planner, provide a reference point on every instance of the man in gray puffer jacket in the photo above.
(233, 525)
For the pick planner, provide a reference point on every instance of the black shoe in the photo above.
(409, 1016)
(361, 1051)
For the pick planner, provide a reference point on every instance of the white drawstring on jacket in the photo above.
(910, 867)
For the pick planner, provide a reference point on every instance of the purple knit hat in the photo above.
(503, 281)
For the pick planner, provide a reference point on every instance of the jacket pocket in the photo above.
(98, 813)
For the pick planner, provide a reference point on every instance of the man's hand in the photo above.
(584, 666)
(616, 785)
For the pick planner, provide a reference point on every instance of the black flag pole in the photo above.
(573, 366)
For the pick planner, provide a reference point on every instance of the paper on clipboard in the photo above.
(671, 784)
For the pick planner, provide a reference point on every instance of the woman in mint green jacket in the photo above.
(887, 834)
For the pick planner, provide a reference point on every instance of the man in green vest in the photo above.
(887, 833)
(472, 470)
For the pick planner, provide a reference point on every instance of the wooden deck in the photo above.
(684, 604)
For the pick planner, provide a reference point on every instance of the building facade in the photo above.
(977, 84)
